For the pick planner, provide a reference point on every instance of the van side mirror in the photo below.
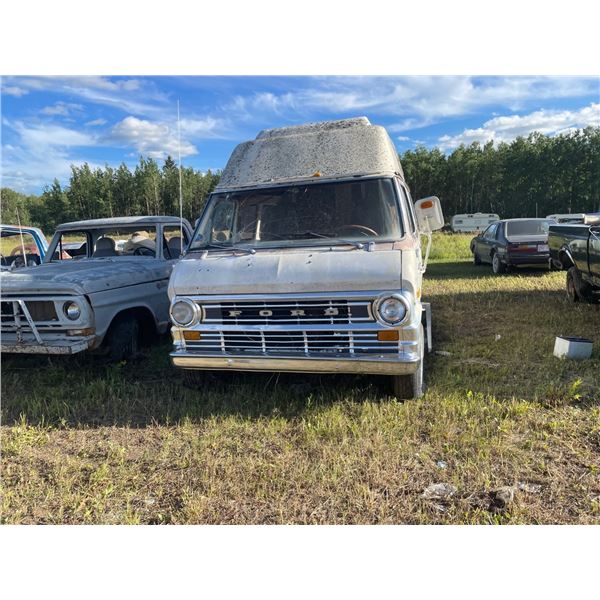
(429, 214)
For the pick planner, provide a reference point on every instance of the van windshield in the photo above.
(324, 213)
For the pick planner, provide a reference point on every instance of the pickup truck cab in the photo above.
(87, 294)
(307, 258)
(576, 248)
(21, 247)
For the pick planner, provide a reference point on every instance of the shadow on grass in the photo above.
(86, 391)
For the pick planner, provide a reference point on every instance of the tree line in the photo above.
(538, 174)
(149, 189)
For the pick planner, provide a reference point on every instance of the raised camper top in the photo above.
(333, 149)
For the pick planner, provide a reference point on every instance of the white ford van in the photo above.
(307, 257)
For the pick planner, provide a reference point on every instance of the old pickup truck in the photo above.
(307, 258)
(102, 285)
(576, 248)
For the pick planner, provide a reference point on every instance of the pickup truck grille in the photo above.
(301, 312)
(41, 311)
(291, 343)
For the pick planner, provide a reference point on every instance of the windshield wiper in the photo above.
(223, 247)
(358, 245)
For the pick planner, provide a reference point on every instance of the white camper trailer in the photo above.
(469, 223)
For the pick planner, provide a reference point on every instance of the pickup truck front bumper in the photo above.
(54, 345)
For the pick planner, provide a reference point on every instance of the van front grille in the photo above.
(291, 343)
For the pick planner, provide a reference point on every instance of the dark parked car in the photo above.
(576, 248)
(512, 242)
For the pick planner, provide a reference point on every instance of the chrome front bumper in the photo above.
(376, 366)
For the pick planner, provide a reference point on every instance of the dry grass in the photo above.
(84, 442)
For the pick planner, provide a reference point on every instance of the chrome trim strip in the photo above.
(380, 366)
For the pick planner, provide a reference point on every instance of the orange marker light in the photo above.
(317, 174)
(391, 335)
(428, 204)
(192, 336)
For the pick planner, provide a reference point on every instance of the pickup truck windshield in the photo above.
(323, 213)
(529, 227)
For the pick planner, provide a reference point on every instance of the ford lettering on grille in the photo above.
(293, 312)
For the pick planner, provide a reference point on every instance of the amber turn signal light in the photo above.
(388, 336)
(192, 336)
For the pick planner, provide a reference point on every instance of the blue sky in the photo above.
(49, 123)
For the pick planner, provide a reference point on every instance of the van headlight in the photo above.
(392, 309)
(72, 310)
(185, 313)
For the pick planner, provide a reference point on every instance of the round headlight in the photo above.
(72, 310)
(184, 312)
(392, 310)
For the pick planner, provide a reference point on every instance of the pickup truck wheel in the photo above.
(498, 267)
(571, 291)
(577, 289)
(124, 339)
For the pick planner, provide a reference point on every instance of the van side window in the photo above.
(408, 209)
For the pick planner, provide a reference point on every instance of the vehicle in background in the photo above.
(21, 247)
(469, 223)
(87, 295)
(576, 248)
(567, 218)
(307, 258)
(511, 243)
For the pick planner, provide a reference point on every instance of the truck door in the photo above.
(594, 251)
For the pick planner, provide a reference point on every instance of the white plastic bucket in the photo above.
(576, 348)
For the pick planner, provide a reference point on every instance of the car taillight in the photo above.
(521, 248)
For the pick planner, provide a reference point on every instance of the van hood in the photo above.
(83, 276)
(289, 271)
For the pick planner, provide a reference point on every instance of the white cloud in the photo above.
(41, 154)
(60, 108)
(151, 139)
(13, 90)
(416, 101)
(96, 122)
(507, 128)
(403, 138)
(136, 96)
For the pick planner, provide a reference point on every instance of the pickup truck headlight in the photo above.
(392, 309)
(72, 310)
(185, 313)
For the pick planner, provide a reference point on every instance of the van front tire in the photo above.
(408, 387)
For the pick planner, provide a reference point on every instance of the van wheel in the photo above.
(407, 387)
(498, 267)
(124, 339)
(193, 379)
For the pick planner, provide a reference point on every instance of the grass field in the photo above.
(85, 442)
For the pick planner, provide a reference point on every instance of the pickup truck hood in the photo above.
(83, 276)
(289, 271)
